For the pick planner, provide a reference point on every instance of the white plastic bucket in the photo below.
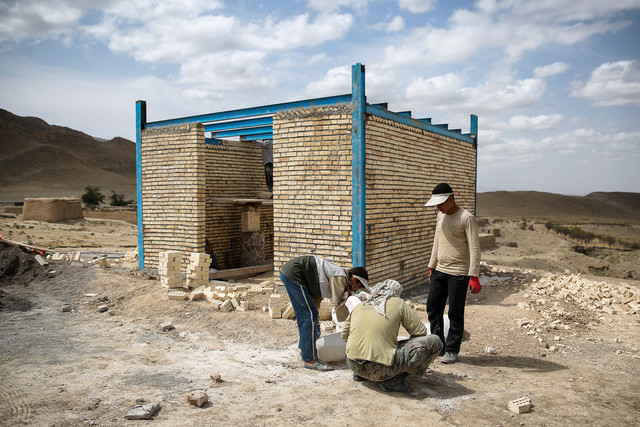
(331, 348)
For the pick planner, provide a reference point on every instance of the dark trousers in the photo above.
(454, 288)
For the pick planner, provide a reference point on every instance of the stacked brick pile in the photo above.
(169, 269)
(198, 270)
(224, 296)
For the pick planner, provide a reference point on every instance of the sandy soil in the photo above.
(575, 361)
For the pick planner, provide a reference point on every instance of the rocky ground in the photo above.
(544, 327)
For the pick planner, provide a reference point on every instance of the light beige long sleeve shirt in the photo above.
(456, 246)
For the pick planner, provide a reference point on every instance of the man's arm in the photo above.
(433, 261)
(412, 322)
(471, 230)
(346, 328)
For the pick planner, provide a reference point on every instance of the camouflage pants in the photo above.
(412, 356)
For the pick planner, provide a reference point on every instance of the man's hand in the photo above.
(474, 285)
(430, 273)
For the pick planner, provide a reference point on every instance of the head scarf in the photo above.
(381, 292)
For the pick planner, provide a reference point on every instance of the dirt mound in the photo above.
(18, 266)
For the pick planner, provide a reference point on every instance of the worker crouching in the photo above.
(371, 333)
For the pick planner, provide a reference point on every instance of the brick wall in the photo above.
(173, 197)
(403, 165)
(312, 184)
(188, 190)
(234, 171)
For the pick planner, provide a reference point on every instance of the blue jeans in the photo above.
(306, 316)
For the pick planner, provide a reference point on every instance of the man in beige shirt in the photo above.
(454, 266)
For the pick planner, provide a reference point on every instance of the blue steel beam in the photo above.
(473, 129)
(141, 119)
(253, 111)
(390, 115)
(358, 177)
(238, 124)
(239, 132)
(265, 135)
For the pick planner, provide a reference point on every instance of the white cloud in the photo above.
(319, 58)
(241, 70)
(529, 123)
(448, 93)
(417, 6)
(611, 84)
(396, 24)
(511, 27)
(550, 70)
(296, 32)
(336, 80)
(331, 5)
(33, 19)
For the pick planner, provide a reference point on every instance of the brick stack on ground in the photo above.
(198, 270)
(169, 269)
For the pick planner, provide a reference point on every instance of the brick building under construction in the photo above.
(350, 183)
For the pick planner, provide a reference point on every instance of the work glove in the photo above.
(474, 285)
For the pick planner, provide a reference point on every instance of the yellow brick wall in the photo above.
(403, 165)
(313, 190)
(173, 197)
(312, 184)
(234, 171)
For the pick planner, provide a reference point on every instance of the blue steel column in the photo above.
(141, 120)
(474, 134)
(359, 218)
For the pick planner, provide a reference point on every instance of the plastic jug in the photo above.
(445, 320)
(331, 348)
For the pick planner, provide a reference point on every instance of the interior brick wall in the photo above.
(234, 171)
(173, 195)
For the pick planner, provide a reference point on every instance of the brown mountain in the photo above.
(42, 160)
(616, 206)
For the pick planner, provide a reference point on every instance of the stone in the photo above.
(102, 308)
(166, 326)
(198, 398)
(143, 412)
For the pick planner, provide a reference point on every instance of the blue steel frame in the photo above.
(253, 123)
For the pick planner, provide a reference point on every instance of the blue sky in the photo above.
(555, 83)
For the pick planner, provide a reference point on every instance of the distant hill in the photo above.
(616, 206)
(42, 160)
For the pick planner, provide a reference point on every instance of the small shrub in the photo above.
(92, 196)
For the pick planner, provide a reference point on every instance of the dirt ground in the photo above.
(565, 340)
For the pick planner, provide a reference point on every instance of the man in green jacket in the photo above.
(371, 333)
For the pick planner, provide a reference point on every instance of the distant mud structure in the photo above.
(52, 210)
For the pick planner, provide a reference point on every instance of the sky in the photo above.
(555, 83)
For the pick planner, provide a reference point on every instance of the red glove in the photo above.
(430, 273)
(474, 284)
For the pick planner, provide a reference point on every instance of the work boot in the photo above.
(358, 378)
(395, 384)
(450, 357)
